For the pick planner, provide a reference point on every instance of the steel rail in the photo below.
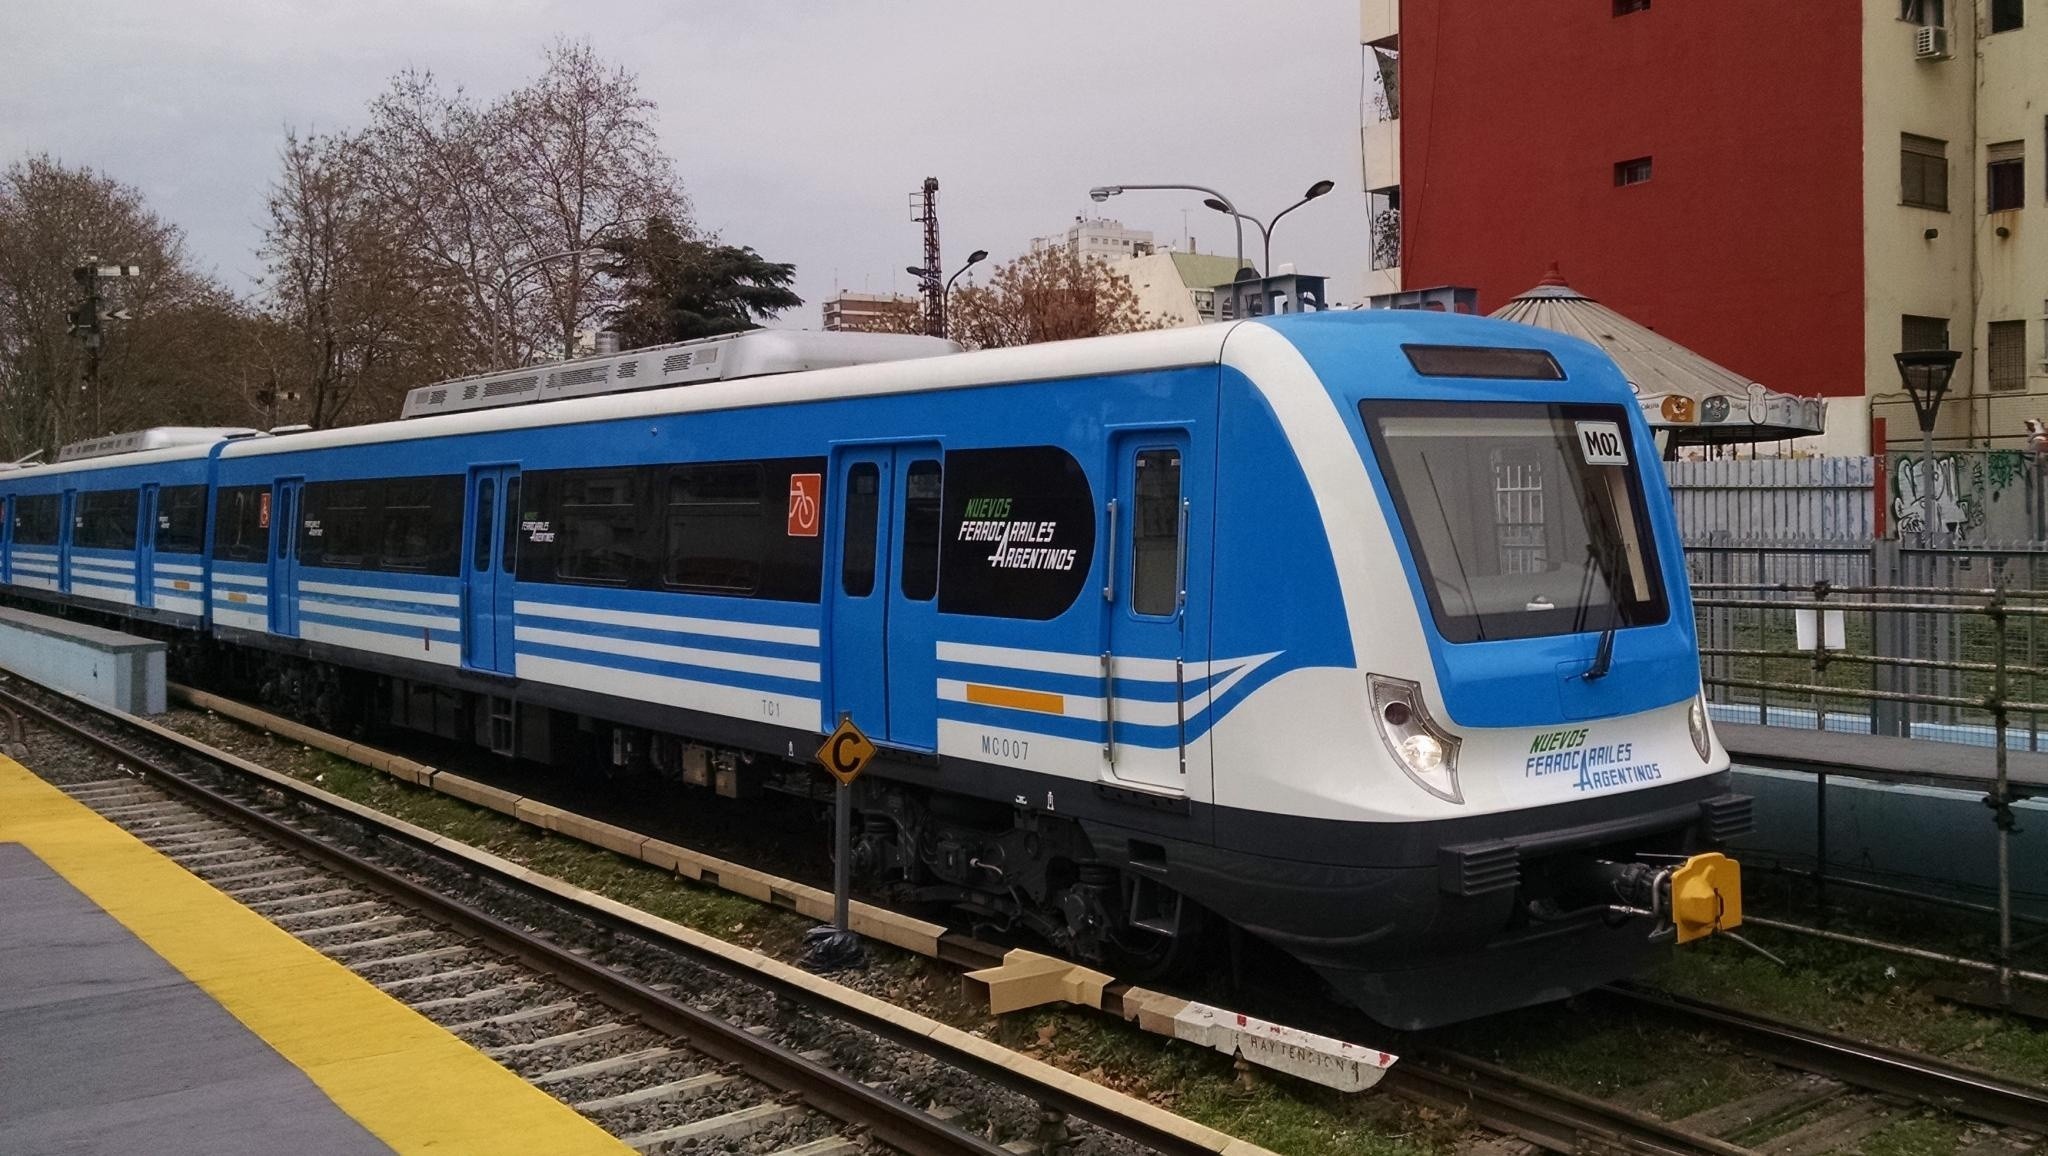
(1874, 1067)
(836, 1094)
(1553, 1118)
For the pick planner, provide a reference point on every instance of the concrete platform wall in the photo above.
(105, 666)
(1920, 838)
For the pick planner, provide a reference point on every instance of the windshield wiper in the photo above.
(1603, 655)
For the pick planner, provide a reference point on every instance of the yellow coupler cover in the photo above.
(1706, 896)
(411, 1084)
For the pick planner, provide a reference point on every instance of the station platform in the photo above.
(141, 1010)
(1918, 762)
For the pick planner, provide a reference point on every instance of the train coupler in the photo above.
(1689, 901)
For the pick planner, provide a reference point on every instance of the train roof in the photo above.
(1123, 353)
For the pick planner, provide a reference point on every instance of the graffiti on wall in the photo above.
(1980, 495)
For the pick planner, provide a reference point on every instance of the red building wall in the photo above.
(1746, 244)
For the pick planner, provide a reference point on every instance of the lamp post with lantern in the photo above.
(1926, 373)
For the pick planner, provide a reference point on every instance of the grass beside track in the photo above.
(1281, 1114)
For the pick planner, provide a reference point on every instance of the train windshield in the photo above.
(1524, 519)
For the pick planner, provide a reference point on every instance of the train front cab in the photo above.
(1477, 549)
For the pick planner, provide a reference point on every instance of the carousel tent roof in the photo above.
(1698, 400)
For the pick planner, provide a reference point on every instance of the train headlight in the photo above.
(1696, 721)
(1426, 752)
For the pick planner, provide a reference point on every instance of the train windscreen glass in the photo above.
(1524, 519)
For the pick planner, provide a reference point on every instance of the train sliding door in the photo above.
(145, 547)
(1144, 678)
(284, 557)
(6, 540)
(884, 584)
(488, 569)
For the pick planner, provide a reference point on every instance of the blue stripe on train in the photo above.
(737, 679)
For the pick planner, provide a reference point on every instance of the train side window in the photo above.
(181, 520)
(36, 519)
(1155, 533)
(862, 519)
(600, 531)
(241, 520)
(508, 558)
(923, 484)
(106, 520)
(486, 508)
(335, 520)
(422, 525)
(715, 528)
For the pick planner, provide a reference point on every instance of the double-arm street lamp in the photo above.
(946, 294)
(1101, 193)
(1926, 374)
(1266, 229)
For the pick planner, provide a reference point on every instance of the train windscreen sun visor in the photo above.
(1525, 520)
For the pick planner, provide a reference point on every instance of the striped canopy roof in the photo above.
(1699, 401)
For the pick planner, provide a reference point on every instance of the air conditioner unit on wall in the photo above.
(1930, 43)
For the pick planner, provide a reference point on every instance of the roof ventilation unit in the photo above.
(755, 353)
(162, 437)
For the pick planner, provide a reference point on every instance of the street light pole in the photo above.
(1926, 373)
(1101, 193)
(1266, 227)
(946, 294)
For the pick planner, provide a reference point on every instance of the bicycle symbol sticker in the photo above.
(804, 498)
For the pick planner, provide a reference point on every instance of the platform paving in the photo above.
(104, 1047)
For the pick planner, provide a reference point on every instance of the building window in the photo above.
(1923, 172)
(2007, 15)
(2005, 176)
(1624, 7)
(1383, 207)
(2005, 355)
(1923, 332)
(1634, 172)
(1932, 13)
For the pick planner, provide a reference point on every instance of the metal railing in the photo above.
(1962, 656)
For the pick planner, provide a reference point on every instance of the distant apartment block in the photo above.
(869, 311)
(1099, 237)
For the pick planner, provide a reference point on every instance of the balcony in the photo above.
(1383, 208)
(1383, 79)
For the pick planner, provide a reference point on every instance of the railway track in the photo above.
(1832, 1093)
(673, 1054)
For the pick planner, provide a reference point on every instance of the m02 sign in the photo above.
(1601, 444)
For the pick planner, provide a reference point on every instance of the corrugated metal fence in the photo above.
(1776, 499)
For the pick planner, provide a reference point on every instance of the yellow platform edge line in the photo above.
(392, 1070)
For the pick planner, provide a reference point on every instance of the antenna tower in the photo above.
(924, 209)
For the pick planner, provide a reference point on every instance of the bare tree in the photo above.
(583, 165)
(507, 202)
(51, 218)
(359, 315)
(1049, 294)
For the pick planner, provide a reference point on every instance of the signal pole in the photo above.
(925, 211)
(86, 319)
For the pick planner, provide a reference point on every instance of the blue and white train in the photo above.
(1365, 634)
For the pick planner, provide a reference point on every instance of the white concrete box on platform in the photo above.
(104, 666)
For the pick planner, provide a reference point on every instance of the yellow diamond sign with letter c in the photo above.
(846, 752)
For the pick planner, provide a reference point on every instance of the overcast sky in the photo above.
(799, 128)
